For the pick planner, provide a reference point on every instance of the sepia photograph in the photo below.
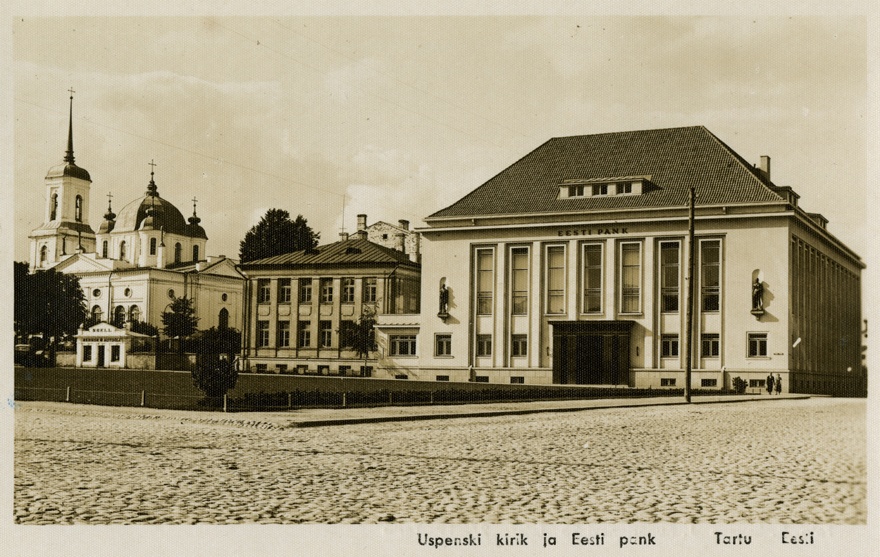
(380, 282)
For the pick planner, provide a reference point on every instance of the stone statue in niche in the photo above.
(444, 299)
(757, 295)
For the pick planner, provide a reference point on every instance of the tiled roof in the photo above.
(354, 252)
(674, 158)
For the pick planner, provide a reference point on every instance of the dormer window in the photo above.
(600, 187)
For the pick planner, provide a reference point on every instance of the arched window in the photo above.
(119, 316)
(178, 252)
(53, 207)
(104, 249)
(152, 246)
(44, 255)
(134, 314)
(78, 209)
(122, 250)
(223, 319)
(196, 252)
(97, 314)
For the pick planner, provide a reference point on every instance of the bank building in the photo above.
(133, 267)
(570, 267)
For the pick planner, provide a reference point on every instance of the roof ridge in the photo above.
(765, 182)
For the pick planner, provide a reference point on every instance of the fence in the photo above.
(291, 400)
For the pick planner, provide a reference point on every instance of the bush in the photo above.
(739, 385)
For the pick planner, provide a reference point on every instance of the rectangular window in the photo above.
(519, 345)
(348, 291)
(442, 378)
(709, 383)
(443, 345)
(304, 332)
(481, 379)
(87, 353)
(402, 345)
(323, 370)
(369, 290)
(264, 294)
(326, 290)
(283, 334)
(592, 278)
(757, 345)
(484, 345)
(284, 291)
(669, 274)
(305, 290)
(344, 370)
(710, 274)
(600, 189)
(556, 279)
(669, 346)
(261, 368)
(519, 271)
(262, 334)
(667, 381)
(624, 187)
(302, 368)
(325, 333)
(710, 345)
(576, 191)
(756, 383)
(517, 379)
(630, 277)
(485, 281)
(281, 368)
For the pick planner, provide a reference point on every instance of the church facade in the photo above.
(138, 261)
(570, 267)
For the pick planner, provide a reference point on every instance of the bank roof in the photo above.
(352, 252)
(672, 159)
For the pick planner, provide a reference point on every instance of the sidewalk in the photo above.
(316, 417)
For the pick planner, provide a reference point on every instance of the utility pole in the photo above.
(689, 300)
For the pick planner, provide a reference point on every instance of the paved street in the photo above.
(785, 461)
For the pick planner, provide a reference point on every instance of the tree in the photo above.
(47, 303)
(277, 234)
(215, 373)
(180, 320)
(360, 336)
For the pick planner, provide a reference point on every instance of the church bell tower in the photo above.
(65, 229)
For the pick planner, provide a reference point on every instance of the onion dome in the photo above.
(109, 219)
(69, 167)
(196, 231)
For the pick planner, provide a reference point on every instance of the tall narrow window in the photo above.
(326, 290)
(519, 270)
(196, 252)
(304, 333)
(223, 319)
(710, 274)
(104, 247)
(53, 213)
(348, 290)
(152, 246)
(119, 316)
(262, 334)
(630, 278)
(134, 314)
(97, 314)
(283, 334)
(178, 252)
(484, 345)
(669, 265)
(44, 255)
(592, 278)
(369, 293)
(264, 292)
(325, 333)
(122, 249)
(305, 290)
(78, 209)
(284, 291)
(485, 281)
(556, 279)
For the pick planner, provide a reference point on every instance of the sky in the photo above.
(398, 117)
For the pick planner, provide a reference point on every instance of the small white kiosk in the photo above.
(103, 345)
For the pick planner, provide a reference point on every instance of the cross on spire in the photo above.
(151, 187)
(71, 91)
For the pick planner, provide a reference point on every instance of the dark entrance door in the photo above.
(100, 355)
(591, 352)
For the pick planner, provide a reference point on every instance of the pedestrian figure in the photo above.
(770, 384)
(778, 384)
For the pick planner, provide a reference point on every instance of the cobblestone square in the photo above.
(785, 461)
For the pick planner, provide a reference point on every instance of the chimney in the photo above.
(362, 222)
(404, 224)
(400, 241)
(361, 234)
(343, 236)
(415, 256)
(765, 165)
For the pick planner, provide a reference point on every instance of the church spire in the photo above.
(152, 189)
(194, 220)
(68, 157)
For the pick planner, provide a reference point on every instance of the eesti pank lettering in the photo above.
(592, 231)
